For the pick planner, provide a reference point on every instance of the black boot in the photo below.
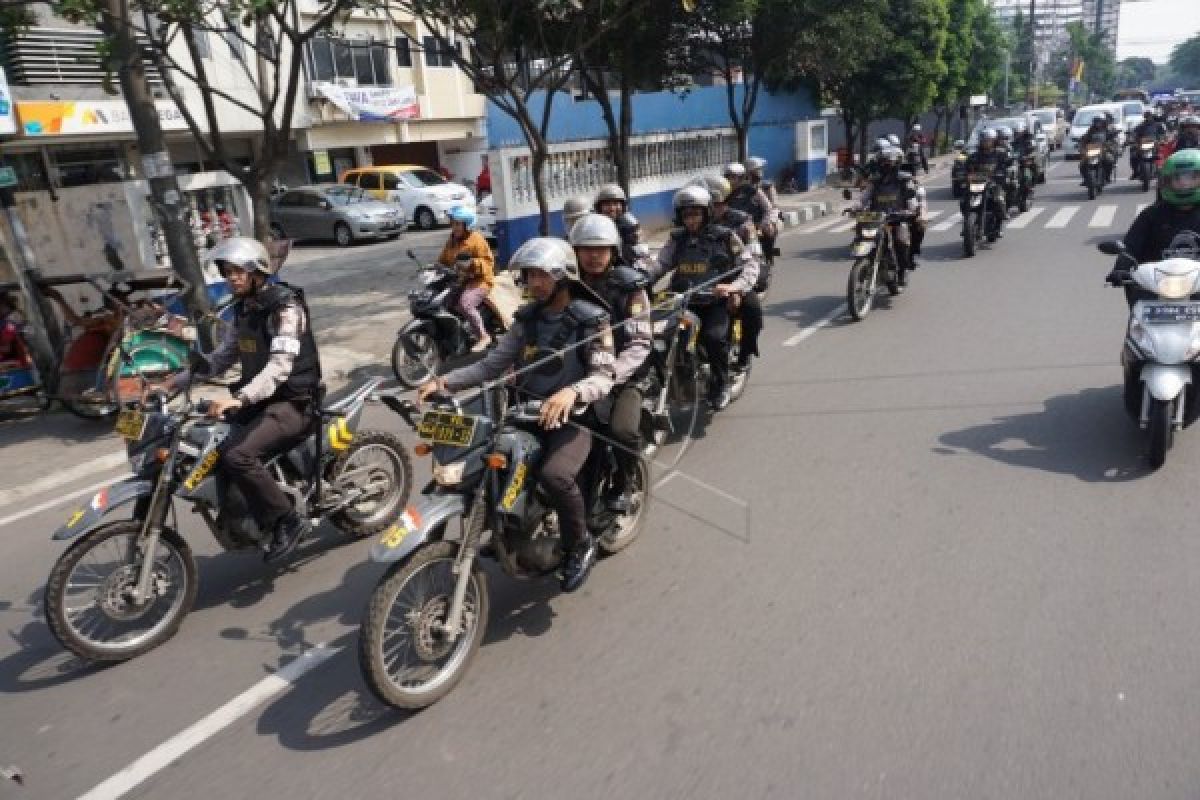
(719, 395)
(290, 529)
(578, 563)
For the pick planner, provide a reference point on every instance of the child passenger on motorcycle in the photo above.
(467, 251)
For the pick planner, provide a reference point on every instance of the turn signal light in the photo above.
(161, 455)
(422, 449)
(496, 460)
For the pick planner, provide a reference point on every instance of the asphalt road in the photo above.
(923, 556)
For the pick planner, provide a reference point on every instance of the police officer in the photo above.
(1188, 137)
(988, 159)
(1151, 127)
(612, 203)
(561, 348)
(747, 305)
(915, 136)
(1171, 226)
(749, 199)
(622, 290)
(894, 191)
(572, 210)
(272, 402)
(700, 254)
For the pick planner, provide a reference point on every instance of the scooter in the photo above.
(1161, 357)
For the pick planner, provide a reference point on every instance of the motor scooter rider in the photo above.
(894, 191)
(1151, 127)
(272, 402)
(915, 136)
(467, 252)
(1097, 133)
(612, 203)
(622, 289)
(561, 350)
(702, 254)
(747, 305)
(1023, 146)
(768, 227)
(1169, 227)
(572, 211)
(990, 160)
(1188, 137)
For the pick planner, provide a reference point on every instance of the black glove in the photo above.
(1118, 277)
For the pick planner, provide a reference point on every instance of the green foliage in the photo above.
(1135, 71)
(1185, 60)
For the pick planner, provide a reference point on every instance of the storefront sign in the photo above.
(321, 163)
(82, 117)
(8, 122)
(373, 104)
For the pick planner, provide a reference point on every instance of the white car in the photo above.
(425, 195)
(1054, 123)
(1083, 119)
(485, 219)
(1135, 112)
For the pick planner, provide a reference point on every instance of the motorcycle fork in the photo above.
(464, 562)
(152, 525)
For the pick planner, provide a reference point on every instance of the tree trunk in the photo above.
(743, 140)
(259, 182)
(165, 198)
(538, 154)
(624, 168)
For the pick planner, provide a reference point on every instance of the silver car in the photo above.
(334, 211)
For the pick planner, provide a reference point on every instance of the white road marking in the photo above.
(823, 322)
(179, 745)
(950, 222)
(60, 500)
(820, 226)
(1025, 218)
(1063, 216)
(1103, 217)
(934, 214)
(845, 226)
(63, 477)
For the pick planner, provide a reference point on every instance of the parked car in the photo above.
(424, 194)
(486, 219)
(1054, 122)
(1032, 122)
(1083, 118)
(334, 211)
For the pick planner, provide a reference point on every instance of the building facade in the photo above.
(1104, 17)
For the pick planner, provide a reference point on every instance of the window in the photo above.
(390, 181)
(424, 177)
(379, 61)
(200, 41)
(436, 55)
(351, 178)
(363, 61)
(369, 180)
(237, 48)
(311, 199)
(403, 52)
(292, 199)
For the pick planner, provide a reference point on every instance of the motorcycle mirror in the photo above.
(1113, 248)
(847, 194)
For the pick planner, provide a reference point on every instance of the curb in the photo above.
(805, 212)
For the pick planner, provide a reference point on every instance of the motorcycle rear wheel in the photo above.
(405, 661)
(860, 297)
(968, 234)
(1162, 431)
(627, 528)
(414, 370)
(357, 520)
(107, 592)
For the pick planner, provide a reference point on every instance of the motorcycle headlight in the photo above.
(449, 474)
(1175, 286)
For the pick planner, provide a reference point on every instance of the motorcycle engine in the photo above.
(540, 550)
(234, 521)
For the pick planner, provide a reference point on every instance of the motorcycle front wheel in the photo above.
(968, 234)
(88, 601)
(378, 465)
(1162, 431)
(416, 367)
(860, 295)
(404, 656)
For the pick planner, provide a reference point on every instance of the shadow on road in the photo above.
(39, 662)
(1086, 434)
(804, 311)
(838, 253)
(48, 428)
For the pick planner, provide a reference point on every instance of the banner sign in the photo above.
(8, 122)
(373, 103)
(85, 116)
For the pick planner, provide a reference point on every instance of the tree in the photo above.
(1185, 59)
(514, 49)
(1136, 71)
(1099, 69)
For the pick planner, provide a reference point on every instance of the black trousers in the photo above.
(263, 431)
(567, 450)
(752, 324)
(714, 332)
(625, 427)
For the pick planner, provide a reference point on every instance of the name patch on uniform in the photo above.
(529, 352)
(693, 267)
(285, 344)
(248, 345)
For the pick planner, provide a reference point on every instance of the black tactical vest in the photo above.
(254, 343)
(1169, 229)
(619, 283)
(555, 346)
(701, 259)
(743, 199)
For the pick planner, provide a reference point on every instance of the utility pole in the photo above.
(165, 197)
(1007, 57)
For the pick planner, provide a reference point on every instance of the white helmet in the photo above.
(756, 164)
(552, 256)
(734, 170)
(610, 191)
(893, 140)
(573, 209)
(595, 230)
(916, 128)
(241, 251)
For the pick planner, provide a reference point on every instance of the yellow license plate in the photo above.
(441, 427)
(131, 424)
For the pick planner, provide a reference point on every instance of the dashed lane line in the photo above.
(1103, 217)
(1063, 217)
(1025, 218)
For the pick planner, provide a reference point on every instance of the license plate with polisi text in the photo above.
(1166, 313)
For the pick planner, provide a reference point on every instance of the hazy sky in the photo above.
(1151, 28)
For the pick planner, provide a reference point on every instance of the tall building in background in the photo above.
(1103, 16)
(1051, 18)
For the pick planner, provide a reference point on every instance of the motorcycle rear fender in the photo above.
(416, 526)
(1166, 381)
(89, 517)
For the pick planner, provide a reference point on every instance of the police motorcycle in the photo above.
(1160, 358)
(427, 616)
(437, 333)
(1026, 178)
(1095, 172)
(1146, 165)
(128, 578)
(958, 170)
(875, 261)
(981, 215)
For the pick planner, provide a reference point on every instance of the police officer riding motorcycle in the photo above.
(1151, 129)
(622, 291)
(561, 348)
(704, 257)
(748, 306)
(612, 203)
(894, 190)
(748, 198)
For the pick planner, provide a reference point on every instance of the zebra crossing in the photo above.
(1099, 217)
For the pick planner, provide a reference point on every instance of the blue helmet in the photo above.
(462, 214)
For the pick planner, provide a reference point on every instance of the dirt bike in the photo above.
(428, 614)
(125, 584)
(875, 260)
(982, 215)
